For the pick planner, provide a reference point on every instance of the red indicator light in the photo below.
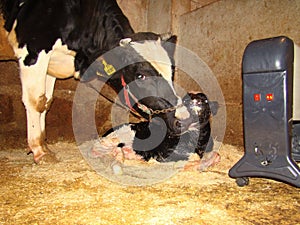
(256, 97)
(269, 97)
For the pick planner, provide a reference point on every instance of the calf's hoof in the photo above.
(209, 159)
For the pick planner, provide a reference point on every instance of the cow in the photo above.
(62, 38)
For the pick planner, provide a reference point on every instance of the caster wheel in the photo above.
(242, 181)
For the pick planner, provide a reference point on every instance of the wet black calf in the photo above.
(153, 139)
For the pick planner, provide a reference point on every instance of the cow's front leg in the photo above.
(35, 134)
(50, 82)
(34, 83)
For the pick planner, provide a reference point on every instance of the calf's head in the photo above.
(200, 107)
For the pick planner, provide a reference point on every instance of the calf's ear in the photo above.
(169, 44)
(214, 106)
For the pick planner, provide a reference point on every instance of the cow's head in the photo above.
(149, 79)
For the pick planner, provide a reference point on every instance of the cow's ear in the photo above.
(169, 37)
(124, 42)
(172, 39)
(169, 43)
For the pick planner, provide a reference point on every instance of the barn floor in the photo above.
(70, 192)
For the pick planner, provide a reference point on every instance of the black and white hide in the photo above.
(153, 139)
(63, 38)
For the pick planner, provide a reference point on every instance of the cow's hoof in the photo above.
(43, 155)
(47, 158)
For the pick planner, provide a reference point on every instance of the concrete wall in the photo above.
(164, 15)
(219, 33)
(136, 11)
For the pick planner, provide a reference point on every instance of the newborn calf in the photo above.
(153, 140)
(196, 139)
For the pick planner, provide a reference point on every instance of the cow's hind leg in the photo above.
(34, 79)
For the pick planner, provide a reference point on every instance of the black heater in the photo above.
(271, 133)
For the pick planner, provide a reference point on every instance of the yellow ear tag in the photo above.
(109, 69)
